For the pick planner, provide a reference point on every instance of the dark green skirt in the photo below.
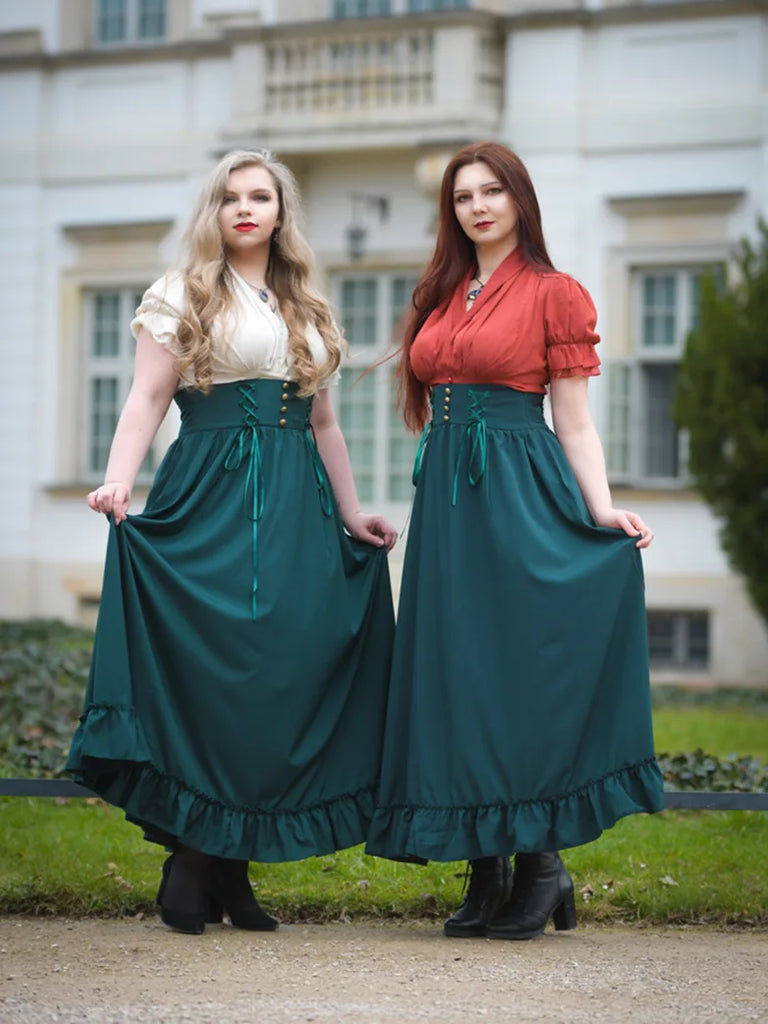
(519, 710)
(238, 683)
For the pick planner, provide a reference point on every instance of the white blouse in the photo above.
(249, 341)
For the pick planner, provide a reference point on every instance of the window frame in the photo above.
(395, 7)
(131, 36)
(119, 367)
(647, 356)
(627, 437)
(682, 621)
(430, 6)
(338, 12)
(362, 358)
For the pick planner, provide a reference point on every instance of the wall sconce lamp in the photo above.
(357, 232)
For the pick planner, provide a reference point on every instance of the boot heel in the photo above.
(215, 913)
(564, 915)
(166, 870)
(184, 885)
(232, 893)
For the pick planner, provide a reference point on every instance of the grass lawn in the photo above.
(80, 857)
(718, 730)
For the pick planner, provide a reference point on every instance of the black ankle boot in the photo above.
(213, 914)
(542, 888)
(232, 891)
(489, 886)
(184, 893)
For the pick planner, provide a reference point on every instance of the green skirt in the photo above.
(240, 667)
(519, 710)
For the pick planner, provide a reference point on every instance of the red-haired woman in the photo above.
(519, 710)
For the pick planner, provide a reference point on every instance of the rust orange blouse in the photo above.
(524, 328)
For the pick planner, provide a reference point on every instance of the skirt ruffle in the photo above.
(241, 660)
(519, 707)
(118, 766)
(463, 833)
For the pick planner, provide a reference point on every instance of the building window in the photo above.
(645, 445)
(130, 21)
(110, 349)
(436, 5)
(678, 640)
(378, 8)
(371, 306)
(360, 8)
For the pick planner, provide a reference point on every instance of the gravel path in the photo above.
(115, 972)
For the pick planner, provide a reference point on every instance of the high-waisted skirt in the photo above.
(241, 661)
(519, 708)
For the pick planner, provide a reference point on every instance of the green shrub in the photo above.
(667, 695)
(44, 671)
(697, 770)
(18, 632)
(43, 674)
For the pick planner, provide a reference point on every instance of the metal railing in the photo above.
(674, 800)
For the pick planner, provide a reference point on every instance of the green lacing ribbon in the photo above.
(253, 492)
(323, 486)
(420, 453)
(476, 436)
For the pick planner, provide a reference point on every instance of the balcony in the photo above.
(351, 85)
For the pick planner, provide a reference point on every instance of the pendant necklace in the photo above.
(263, 295)
(474, 292)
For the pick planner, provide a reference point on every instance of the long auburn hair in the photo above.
(455, 254)
(209, 295)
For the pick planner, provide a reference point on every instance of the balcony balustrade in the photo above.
(394, 82)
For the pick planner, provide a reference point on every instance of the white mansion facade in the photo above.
(644, 126)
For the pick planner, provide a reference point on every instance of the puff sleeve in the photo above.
(570, 319)
(160, 311)
(317, 348)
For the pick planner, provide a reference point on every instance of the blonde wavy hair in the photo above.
(291, 264)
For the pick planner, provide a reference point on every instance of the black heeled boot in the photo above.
(542, 888)
(184, 893)
(213, 914)
(232, 890)
(490, 885)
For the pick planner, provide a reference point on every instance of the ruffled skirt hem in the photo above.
(531, 826)
(118, 767)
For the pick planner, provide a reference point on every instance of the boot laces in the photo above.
(477, 872)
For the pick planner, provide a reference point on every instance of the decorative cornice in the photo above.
(131, 231)
(231, 36)
(633, 13)
(666, 205)
(99, 57)
(357, 26)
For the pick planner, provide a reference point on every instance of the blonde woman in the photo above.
(237, 687)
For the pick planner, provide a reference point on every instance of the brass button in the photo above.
(283, 408)
(445, 418)
(447, 399)
(447, 391)
(281, 423)
(284, 396)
